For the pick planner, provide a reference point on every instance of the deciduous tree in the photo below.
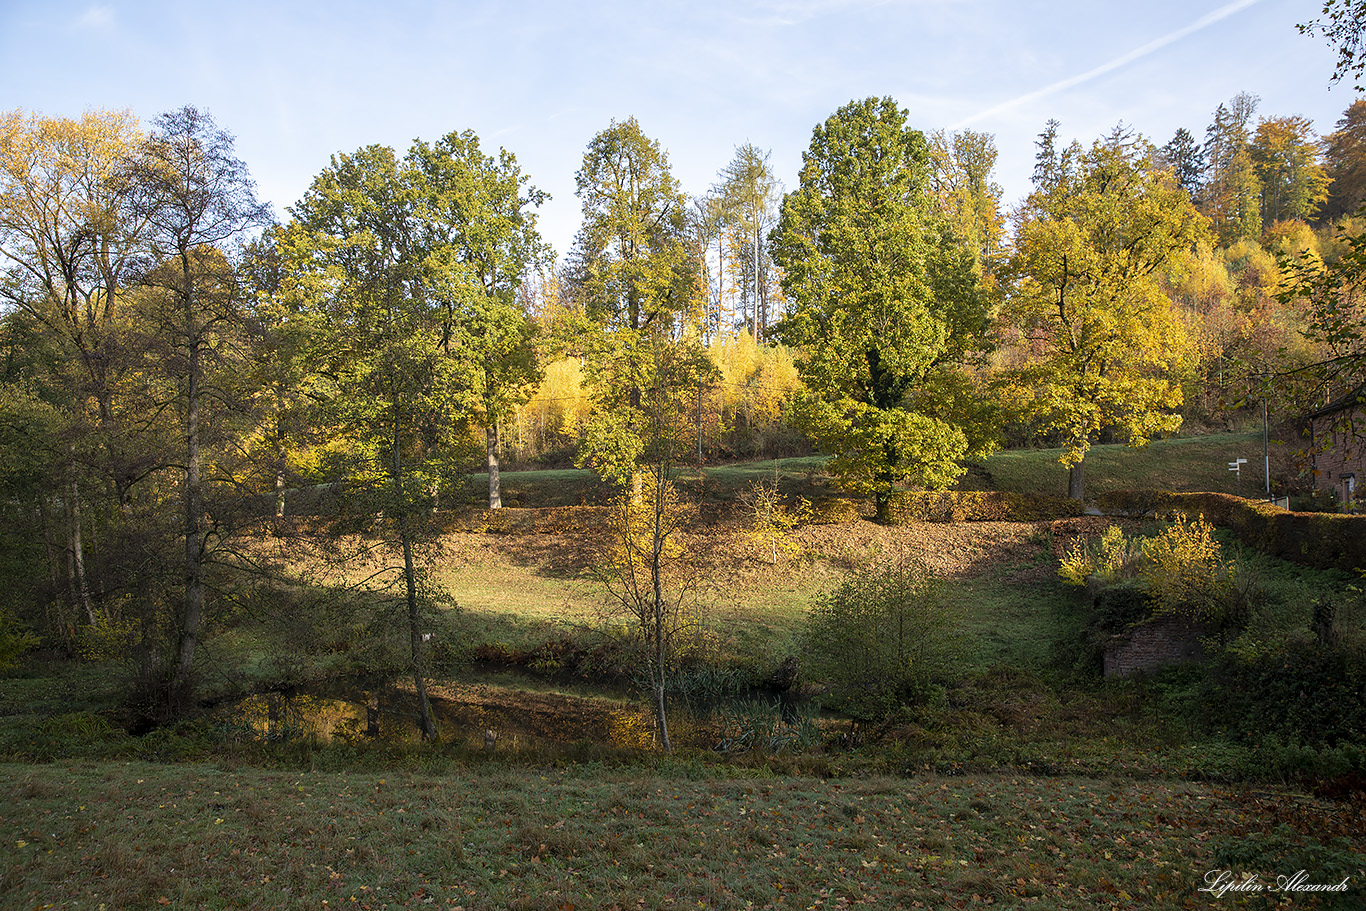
(631, 267)
(966, 194)
(478, 214)
(881, 294)
(193, 195)
(68, 257)
(1084, 292)
(360, 257)
(1285, 158)
(1345, 160)
(1343, 23)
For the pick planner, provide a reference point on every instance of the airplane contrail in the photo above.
(1222, 12)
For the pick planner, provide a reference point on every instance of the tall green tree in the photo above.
(634, 278)
(1286, 159)
(1186, 159)
(1231, 195)
(1084, 291)
(881, 294)
(477, 213)
(360, 256)
(631, 267)
(282, 368)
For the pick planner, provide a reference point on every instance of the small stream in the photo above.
(486, 716)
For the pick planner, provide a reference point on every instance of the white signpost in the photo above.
(1237, 466)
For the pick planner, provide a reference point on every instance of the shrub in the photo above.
(1186, 573)
(834, 511)
(1180, 571)
(14, 641)
(1305, 692)
(879, 640)
(773, 518)
(1102, 561)
(1314, 539)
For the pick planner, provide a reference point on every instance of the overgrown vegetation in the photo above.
(880, 639)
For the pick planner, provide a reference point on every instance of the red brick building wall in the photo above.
(1339, 448)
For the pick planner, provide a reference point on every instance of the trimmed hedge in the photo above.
(978, 506)
(1323, 540)
(549, 520)
(835, 511)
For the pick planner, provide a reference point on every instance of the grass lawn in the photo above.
(488, 836)
(1179, 464)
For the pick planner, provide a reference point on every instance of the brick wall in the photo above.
(1340, 448)
(1163, 640)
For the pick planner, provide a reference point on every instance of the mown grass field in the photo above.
(1180, 464)
(488, 836)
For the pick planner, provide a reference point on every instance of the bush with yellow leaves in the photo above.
(1100, 562)
(1185, 572)
(1182, 571)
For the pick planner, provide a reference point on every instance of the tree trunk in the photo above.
(660, 620)
(758, 334)
(495, 482)
(699, 427)
(372, 715)
(1076, 480)
(884, 507)
(193, 610)
(78, 553)
(415, 635)
(410, 579)
(279, 493)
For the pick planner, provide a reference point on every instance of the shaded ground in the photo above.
(486, 836)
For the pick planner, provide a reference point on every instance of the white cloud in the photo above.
(97, 18)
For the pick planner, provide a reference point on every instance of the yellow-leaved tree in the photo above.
(1101, 348)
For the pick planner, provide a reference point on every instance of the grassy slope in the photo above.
(1180, 464)
(1194, 463)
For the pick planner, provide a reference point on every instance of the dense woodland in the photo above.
(181, 369)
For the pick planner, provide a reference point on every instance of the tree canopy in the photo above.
(1104, 347)
(880, 293)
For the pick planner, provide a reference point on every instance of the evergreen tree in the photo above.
(1187, 160)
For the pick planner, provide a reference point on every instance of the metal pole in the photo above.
(1266, 450)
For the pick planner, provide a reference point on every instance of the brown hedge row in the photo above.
(978, 506)
(1324, 540)
(549, 520)
(835, 511)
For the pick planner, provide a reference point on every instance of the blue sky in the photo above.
(299, 81)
